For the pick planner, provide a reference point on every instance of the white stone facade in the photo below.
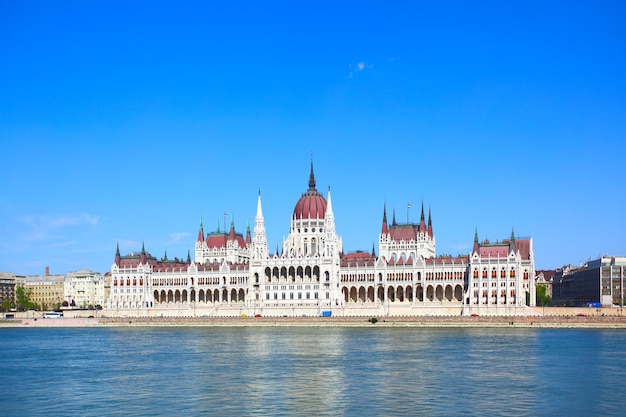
(84, 288)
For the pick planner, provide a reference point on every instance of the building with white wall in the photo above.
(234, 275)
(84, 288)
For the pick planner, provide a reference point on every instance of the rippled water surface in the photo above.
(312, 371)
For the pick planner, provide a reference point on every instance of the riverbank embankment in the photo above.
(398, 322)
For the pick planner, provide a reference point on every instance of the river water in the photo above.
(298, 371)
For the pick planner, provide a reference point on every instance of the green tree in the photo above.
(22, 298)
(543, 299)
(6, 305)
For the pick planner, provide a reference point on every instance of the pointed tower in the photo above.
(231, 234)
(422, 221)
(329, 217)
(331, 242)
(117, 255)
(373, 250)
(143, 254)
(393, 221)
(385, 229)
(165, 257)
(248, 238)
(476, 246)
(311, 178)
(512, 245)
(188, 257)
(201, 232)
(259, 242)
(430, 224)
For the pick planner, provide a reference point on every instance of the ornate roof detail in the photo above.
(312, 204)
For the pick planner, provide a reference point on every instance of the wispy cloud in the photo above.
(177, 237)
(45, 227)
(358, 67)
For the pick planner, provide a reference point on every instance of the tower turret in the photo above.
(385, 229)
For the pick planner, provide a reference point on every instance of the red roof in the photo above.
(404, 232)
(447, 260)
(502, 250)
(494, 251)
(312, 205)
(523, 246)
(357, 259)
(218, 240)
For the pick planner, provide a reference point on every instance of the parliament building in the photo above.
(234, 274)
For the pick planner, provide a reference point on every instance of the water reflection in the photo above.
(311, 371)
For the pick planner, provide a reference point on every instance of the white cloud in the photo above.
(358, 67)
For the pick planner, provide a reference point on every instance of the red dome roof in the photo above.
(312, 205)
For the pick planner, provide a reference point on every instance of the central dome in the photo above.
(312, 205)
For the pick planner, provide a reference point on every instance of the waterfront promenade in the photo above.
(426, 322)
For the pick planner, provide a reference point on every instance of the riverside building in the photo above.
(234, 274)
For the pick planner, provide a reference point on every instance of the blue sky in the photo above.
(128, 122)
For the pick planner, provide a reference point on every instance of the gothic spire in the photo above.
(117, 255)
(201, 231)
(260, 239)
(231, 234)
(430, 224)
(385, 230)
(476, 246)
(312, 178)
